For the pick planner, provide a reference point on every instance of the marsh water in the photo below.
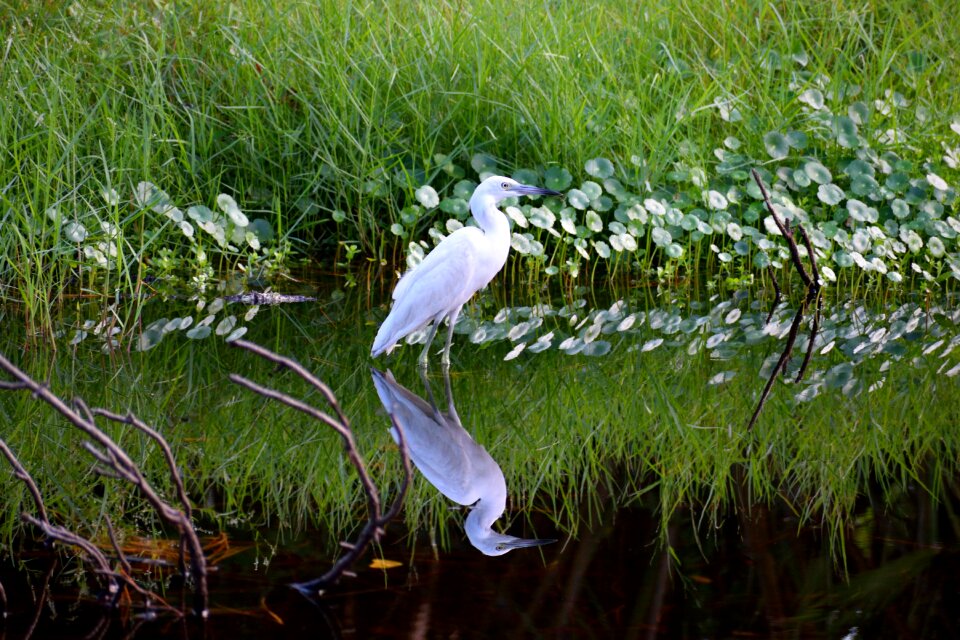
(622, 431)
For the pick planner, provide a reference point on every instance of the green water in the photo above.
(665, 410)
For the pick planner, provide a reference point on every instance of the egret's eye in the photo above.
(500, 547)
(505, 186)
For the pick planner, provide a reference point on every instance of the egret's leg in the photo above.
(433, 403)
(425, 354)
(451, 408)
(452, 320)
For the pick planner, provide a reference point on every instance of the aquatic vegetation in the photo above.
(883, 212)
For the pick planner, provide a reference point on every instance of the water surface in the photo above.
(834, 512)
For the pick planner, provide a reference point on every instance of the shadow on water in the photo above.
(637, 557)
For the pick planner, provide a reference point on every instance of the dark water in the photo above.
(755, 576)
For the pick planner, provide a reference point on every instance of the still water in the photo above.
(621, 432)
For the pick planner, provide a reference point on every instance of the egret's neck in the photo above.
(490, 219)
(480, 520)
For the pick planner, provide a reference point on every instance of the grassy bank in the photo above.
(175, 142)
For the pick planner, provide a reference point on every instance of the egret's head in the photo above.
(500, 187)
(497, 544)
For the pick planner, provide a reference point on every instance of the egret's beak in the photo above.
(524, 543)
(527, 190)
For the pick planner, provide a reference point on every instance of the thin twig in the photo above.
(373, 530)
(64, 535)
(776, 291)
(114, 457)
(21, 474)
(785, 231)
(813, 336)
(161, 442)
(121, 556)
(780, 366)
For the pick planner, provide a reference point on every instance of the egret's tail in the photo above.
(384, 340)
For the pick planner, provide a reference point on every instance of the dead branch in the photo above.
(813, 292)
(183, 519)
(118, 463)
(776, 290)
(781, 366)
(787, 233)
(22, 475)
(814, 329)
(377, 519)
(55, 532)
(121, 556)
(64, 535)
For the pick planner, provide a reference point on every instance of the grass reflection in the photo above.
(572, 433)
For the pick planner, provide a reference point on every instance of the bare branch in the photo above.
(117, 460)
(21, 474)
(298, 369)
(787, 232)
(780, 366)
(776, 290)
(121, 556)
(814, 329)
(376, 519)
(64, 535)
(161, 442)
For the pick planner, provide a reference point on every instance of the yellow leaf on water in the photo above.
(380, 563)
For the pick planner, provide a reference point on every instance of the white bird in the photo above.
(463, 263)
(452, 461)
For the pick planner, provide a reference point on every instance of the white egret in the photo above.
(452, 461)
(464, 262)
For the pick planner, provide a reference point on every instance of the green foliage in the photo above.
(367, 124)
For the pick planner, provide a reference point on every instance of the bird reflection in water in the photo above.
(452, 461)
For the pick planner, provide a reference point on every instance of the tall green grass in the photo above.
(326, 116)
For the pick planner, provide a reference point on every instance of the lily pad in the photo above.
(830, 194)
(599, 168)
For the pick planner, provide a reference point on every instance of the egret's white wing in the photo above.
(439, 285)
(456, 254)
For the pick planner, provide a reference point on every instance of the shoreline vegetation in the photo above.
(173, 146)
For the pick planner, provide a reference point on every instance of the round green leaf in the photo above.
(427, 196)
(578, 199)
(830, 194)
(776, 145)
(817, 172)
(599, 168)
(674, 250)
(813, 98)
(557, 178)
(661, 237)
